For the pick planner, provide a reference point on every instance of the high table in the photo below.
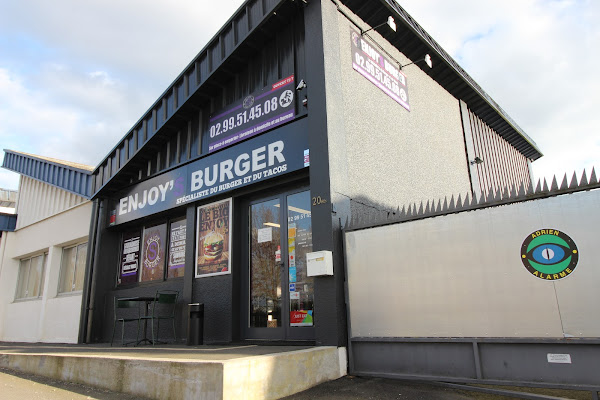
(148, 300)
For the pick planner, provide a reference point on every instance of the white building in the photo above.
(43, 255)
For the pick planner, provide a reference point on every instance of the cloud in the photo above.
(75, 76)
(537, 59)
(141, 39)
(64, 116)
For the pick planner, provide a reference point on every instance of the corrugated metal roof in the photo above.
(75, 165)
(72, 177)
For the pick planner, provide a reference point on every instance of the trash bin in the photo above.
(195, 334)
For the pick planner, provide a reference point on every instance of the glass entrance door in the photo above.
(265, 265)
(280, 299)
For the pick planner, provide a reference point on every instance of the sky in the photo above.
(76, 75)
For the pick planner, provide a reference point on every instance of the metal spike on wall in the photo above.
(584, 180)
(573, 183)
(513, 192)
(428, 209)
(498, 196)
(459, 202)
(564, 185)
(476, 199)
(538, 188)
(554, 185)
(522, 190)
(473, 201)
(529, 190)
(451, 206)
(545, 187)
(490, 196)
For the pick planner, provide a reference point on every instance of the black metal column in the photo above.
(329, 300)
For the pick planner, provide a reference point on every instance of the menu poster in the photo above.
(213, 255)
(130, 258)
(153, 253)
(177, 249)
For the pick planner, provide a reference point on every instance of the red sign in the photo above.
(301, 318)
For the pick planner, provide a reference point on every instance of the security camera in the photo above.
(301, 85)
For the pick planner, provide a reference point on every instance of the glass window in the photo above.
(177, 235)
(72, 268)
(153, 253)
(31, 277)
(302, 291)
(23, 278)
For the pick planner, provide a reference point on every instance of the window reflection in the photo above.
(301, 286)
(265, 271)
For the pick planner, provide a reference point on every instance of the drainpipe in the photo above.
(88, 268)
(91, 275)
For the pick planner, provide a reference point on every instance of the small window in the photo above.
(31, 277)
(72, 268)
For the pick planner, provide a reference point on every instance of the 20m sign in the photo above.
(549, 254)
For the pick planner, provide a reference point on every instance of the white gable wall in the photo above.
(39, 200)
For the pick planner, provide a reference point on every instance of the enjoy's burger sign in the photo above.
(214, 238)
(264, 157)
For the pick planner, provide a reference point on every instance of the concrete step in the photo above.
(204, 372)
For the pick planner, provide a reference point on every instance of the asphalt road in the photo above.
(21, 386)
(356, 388)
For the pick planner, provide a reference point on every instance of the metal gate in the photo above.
(501, 289)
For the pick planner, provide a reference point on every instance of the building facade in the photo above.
(43, 256)
(291, 120)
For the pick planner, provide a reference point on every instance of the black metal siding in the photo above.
(182, 124)
(247, 21)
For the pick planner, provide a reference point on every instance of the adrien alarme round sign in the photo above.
(549, 254)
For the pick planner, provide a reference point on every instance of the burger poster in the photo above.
(214, 239)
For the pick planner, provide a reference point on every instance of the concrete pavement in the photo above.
(20, 386)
